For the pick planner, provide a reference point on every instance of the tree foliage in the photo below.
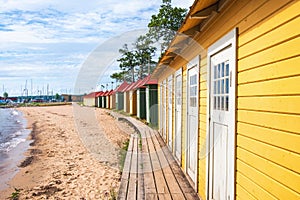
(164, 25)
(5, 95)
(138, 61)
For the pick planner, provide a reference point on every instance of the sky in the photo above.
(67, 46)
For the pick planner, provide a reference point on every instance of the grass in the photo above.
(123, 153)
(15, 195)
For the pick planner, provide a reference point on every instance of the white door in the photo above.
(178, 102)
(164, 107)
(170, 112)
(222, 119)
(192, 118)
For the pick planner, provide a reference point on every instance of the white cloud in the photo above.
(51, 39)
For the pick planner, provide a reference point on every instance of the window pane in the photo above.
(215, 102)
(226, 103)
(227, 85)
(218, 71)
(222, 86)
(215, 71)
(215, 87)
(222, 69)
(227, 68)
(218, 87)
(222, 103)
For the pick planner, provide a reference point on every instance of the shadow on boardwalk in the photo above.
(150, 170)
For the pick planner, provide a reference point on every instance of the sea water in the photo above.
(13, 143)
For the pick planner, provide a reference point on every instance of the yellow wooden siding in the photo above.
(266, 174)
(202, 127)
(256, 193)
(271, 71)
(279, 104)
(277, 138)
(268, 104)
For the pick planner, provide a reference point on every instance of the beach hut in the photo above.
(99, 99)
(90, 99)
(141, 98)
(112, 104)
(103, 99)
(120, 95)
(128, 98)
(151, 102)
(108, 98)
(132, 98)
(229, 98)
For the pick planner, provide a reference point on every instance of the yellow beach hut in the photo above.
(229, 98)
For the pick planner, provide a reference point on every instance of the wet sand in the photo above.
(74, 154)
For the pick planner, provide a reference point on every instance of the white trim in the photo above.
(178, 73)
(228, 40)
(192, 63)
(170, 79)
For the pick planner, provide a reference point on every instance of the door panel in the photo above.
(222, 96)
(164, 107)
(170, 113)
(192, 118)
(178, 101)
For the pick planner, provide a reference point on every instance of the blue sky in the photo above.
(50, 42)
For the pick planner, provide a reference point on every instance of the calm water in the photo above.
(13, 143)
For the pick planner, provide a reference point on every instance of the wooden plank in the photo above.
(164, 197)
(160, 182)
(256, 191)
(277, 138)
(242, 194)
(284, 177)
(140, 179)
(126, 169)
(149, 196)
(282, 122)
(284, 86)
(227, 20)
(132, 185)
(281, 51)
(277, 18)
(279, 156)
(180, 177)
(267, 183)
(271, 71)
(282, 33)
(282, 104)
(149, 183)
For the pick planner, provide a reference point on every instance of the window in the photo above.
(221, 86)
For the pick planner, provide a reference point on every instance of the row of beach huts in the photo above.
(228, 98)
(137, 99)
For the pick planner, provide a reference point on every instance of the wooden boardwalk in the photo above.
(150, 170)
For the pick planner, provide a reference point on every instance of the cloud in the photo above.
(51, 39)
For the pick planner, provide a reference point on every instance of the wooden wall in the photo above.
(268, 96)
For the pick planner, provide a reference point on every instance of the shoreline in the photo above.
(58, 164)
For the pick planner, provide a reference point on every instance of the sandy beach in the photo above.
(74, 154)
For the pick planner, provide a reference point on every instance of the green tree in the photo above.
(164, 25)
(118, 76)
(57, 96)
(5, 95)
(128, 61)
(144, 52)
